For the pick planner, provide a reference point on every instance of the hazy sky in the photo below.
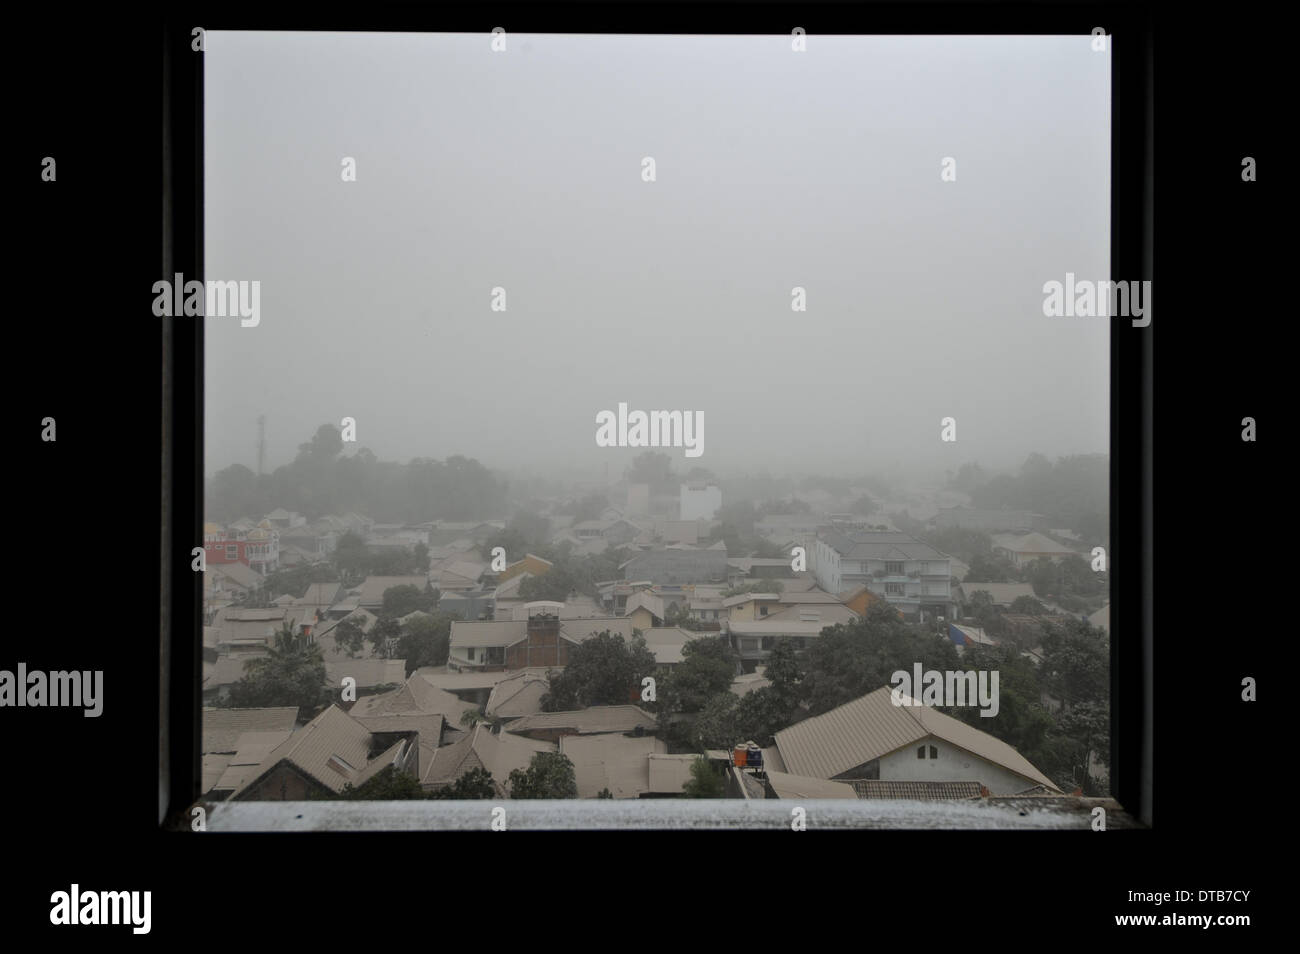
(523, 169)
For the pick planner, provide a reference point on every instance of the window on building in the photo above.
(894, 569)
(232, 553)
(920, 751)
(894, 589)
(934, 752)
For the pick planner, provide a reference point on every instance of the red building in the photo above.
(259, 549)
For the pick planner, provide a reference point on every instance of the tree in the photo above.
(348, 637)
(850, 660)
(383, 636)
(475, 784)
(555, 584)
(704, 781)
(760, 714)
(653, 468)
(969, 478)
(404, 599)
(291, 674)
(1076, 663)
(425, 641)
(783, 672)
(351, 556)
(295, 581)
(549, 775)
(715, 726)
(863, 505)
(325, 445)
(590, 507)
(1082, 736)
(388, 785)
(604, 793)
(603, 670)
(707, 668)
(988, 568)
(1028, 606)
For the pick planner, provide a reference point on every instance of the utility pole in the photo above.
(261, 442)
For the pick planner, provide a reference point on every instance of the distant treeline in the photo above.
(321, 481)
(1073, 493)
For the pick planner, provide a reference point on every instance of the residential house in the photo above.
(470, 604)
(518, 695)
(498, 754)
(595, 720)
(858, 598)
(283, 519)
(799, 528)
(542, 638)
(1023, 548)
(530, 564)
(752, 569)
(416, 696)
(668, 643)
(987, 521)
(871, 738)
(324, 756)
(459, 576)
(755, 640)
(645, 609)
(1003, 594)
(611, 762)
(678, 565)
(367, 673)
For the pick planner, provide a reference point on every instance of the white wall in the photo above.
(953, 765)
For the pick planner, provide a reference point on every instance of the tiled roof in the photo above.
(367, 672)
(223, 727)
(586, 721)
(916, 791)
(614, 762)
(796, 786)
(333, 749)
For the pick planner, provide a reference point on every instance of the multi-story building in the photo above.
(262, 548)
(909, 574)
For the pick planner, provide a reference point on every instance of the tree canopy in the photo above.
(603, 670)
(549, 775)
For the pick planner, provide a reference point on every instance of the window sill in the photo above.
(660, 814)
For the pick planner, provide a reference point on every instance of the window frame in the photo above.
(1131, 243)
